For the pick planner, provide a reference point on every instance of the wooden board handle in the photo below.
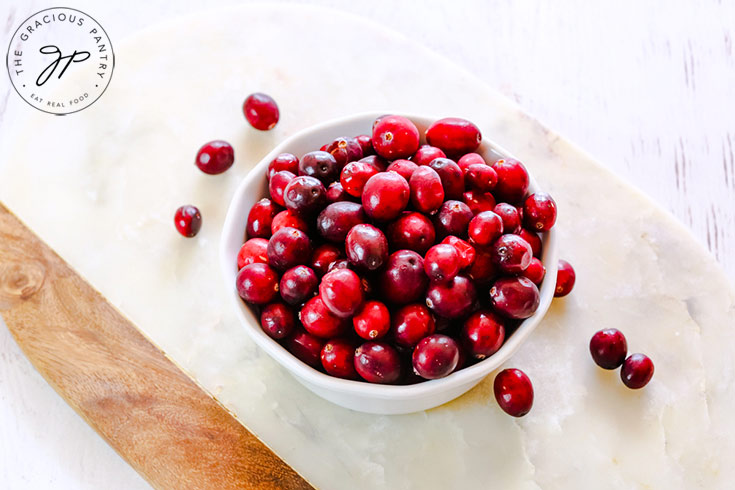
(169, 429)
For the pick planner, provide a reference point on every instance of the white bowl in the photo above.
(358, 395)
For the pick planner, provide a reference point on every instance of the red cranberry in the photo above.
(335, 193)
(372, 321)
(288, 219)
(261, 111)
(345, 150)
(509, 214)
(485, 228)
(284, 161)
(452, 299)
(411, 324)
(514, 392)
(278, 184)
(305, 195)
(481, 177)
(535, 271)
(318, 320)
(412, 231)
(298, 285)
(252, 251)
(454, 136)
(511, 254)
(404, 168)
(323, 257)
(257, 283)
(340, 264)
(466, 251)
(378, 362)
(442, 262)
(403, 280)
(451, 177)
(637, 371)
(366, 247)
(483, 270)
(565, 278)
(215, 157)
(355, 175)
(385, 195)
(427, 193)
(366, 144)
(426, 153)
(188, 220)
(395, 137)
(379, 163)
(320, 165)
(483, 334)
(609, 348)
(337, 219)
(512, 180)
(533, 239)
(338, 358)
(435, 356)
(341, 291)
(277, 320)
(471, 159)
(539, 212)
(479, 201)
(514, 297)
(453, 218)
(287, 248)
(305, 347)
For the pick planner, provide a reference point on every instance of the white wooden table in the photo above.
(647, 88)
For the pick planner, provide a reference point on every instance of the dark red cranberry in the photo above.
(426, 153)
(412, 231)
(323, 257)
(539, 212)
(278, 184)
(535, 271)
(514, 297)
(514, 392)
(252, 251)
(257, 283)
(341, 291)
(481, 177)
(509, 214)
(609, 348)
(298, 285)
(385, 195)
(379, 163)
(483, 270)
(366, 247)
(479, 201)
(466, 251)
(451, 177)
(261, 111)
(565, 278)
(188, 220)
(512, 180)
(284, 161)
(320, 165)
(215, 157)
(404, 168)
(287, 248)
(378, 362)
(637, 371)
(288, 219)
(483, 334)
(395, 137)
(412, 323)
(511, 254)
(471, 159)
(345, 150)
(335, 193)
(305, 195)
(427, 193)
(403, 280)
(372, 321)
(337, 219)
(454, 136)
(318, 320)
(277, 320)
(452, 299)
(338, 358)
(305, 347)
(366, 143)
(533, 239)
(485, 228)
(442, 262)
(453, 218)
(436, 356)
(355, 175)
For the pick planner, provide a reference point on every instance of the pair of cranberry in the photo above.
(609, 349)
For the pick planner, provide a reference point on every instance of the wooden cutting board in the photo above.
(153, 414)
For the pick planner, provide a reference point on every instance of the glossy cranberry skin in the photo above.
(355, 175)
(337, 219)
(319, 320)
(509, 214)
(338, 358)
(188, 220)
(277, 320)
(426, 153)
(341, 291)
(287, 248)
(305, 195)
(305, 347)
(471, 159)
(442, 262)
(453, 218)
(403, 280)
(452, 299)
(404, 168)
(412, 231)
(451, 177)
(298, 284)
(288, 219)
(379, 163)
(372, 321)
(565, 279)
(637, 371)
(466, 251)
(277, 185)
(345, 150)
(485, 228)
(511, 253)
(252, 251)
(320, 165)
(478, 201)
(533, 239)
(514, 297)
(215, 157)
(513, 392)
(435, 356)
(412, 323)
(378, 362)
(257, 283)
(284, 161)
(261, 111)
(366, 143)
(366, 247)
(483, 334)
(395, 137)
(539, 212)
(481, 177)
(454, 136)
(385, 195)
(608, 348)
(483, 270)
(427, 193)
(335, 193)
(340, 264)
(323, 256)
(512, 180)
(535, 271)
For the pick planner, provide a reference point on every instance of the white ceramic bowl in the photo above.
(358, 395)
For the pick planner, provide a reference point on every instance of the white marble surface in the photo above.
(38, 429)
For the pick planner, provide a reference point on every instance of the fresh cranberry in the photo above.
(533, 239)
(305, 195)
(252, 251)
(340, 264)
(478, 201)
(466, 251)
(278, 184)
(188, 220)
(341, 291)
(483, 334)
(427, 193)
(385, 195)
(323, 257)
(514, 297)
(372, 321)
(335, 193)
(539, 212)
(565, 278)
(337, 219)
(366, 143)
(535, 271)
(403, 280)
(511, 254)
(483, 270)
(442, 262)
(379, 163)
(287, 248)
(319, 320)
(261, 111)
(412, 323)
(320, 165)
(485, 228)
(608, 348)
(257, 283)
(453, 218)
(338, 358)
(215, 157)
(435, 356)
(471, 159)
(305, 347)
(395, 137)
(514, 392)
(426, 153)
(345, 150)
(284, 161)
(298, 284)
(354, 176)
(637, 371)
(451, 177)
(277, 320)
(288, 219)
(452, 299)
(454, 136)
(512, 180)
(404, 168)
(412, 231)
(366, 247)
(509, 214)
(481, 177)
(378, 362)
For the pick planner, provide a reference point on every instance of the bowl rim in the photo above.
(358, 387)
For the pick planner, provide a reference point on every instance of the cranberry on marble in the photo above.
(298, 284)
(454, 136)
(514, 297)
(512, 180)
(319, 320)
(277, 320)
(412, 231)
(320, 165)
(288, 219)
(372, 321)
(465, 250)
(284, 161)
(481, 177)
(215, 157)
(451, 177)
(261, 111)
(366, 143)
(483, 334)
(188, 220)
(277, 185)
(478, 201)
(305, 347)
(509, 214)
(453, 218)
(427, 193)
(404, 168)
(426, 153)
(338, 358)
(257, 283)
(435, 356)
(355, 175)
(565, 279)
(535, 271)
(366, 247)
(341, 291)
(513, 392)
(395, 137)
(539, 212)
(411, 323)
(442, 262)
(511, 253)
(403, 280)
(345, 150)
(337, 219)
(637, 371)
(608, 348)
(452, 299)
(378, 362)
(323, 256)
(379, 163)
(485, 228)
(533, 239)
(287, 248)
(252, 251)
(471, 159)
(483, 270)
(385, 195)
(305, 195)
